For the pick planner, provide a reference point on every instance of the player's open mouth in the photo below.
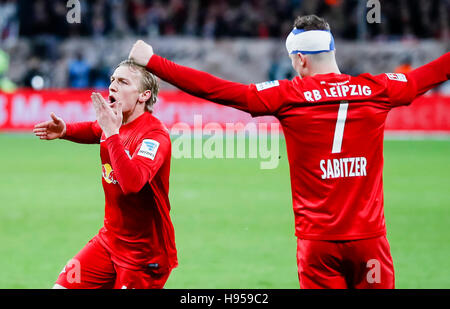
(112, 99)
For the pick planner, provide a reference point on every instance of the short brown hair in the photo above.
(311, 22)
(148, 82)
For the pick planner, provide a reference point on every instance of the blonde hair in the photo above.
(148, 82)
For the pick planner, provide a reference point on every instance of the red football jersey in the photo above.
(333, 125)
(137, 227)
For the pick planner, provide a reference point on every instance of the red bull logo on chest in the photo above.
(108, 174)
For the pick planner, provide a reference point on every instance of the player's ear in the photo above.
(302, 59)
(145, 96)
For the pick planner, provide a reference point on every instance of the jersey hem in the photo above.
(132, 265)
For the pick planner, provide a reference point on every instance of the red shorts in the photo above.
(92, 268)
(359, 264)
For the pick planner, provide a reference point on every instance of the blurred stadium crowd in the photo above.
(42, 24)
(227, 18)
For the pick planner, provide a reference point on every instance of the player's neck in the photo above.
(324, 68)
(130, 117)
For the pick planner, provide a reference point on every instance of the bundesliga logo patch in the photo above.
(397, 76)
(267, 85)
(148, 148)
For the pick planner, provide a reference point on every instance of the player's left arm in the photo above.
(133, 173)
(402, 89)
(431, 74)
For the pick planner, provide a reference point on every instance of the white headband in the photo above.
(309, 42)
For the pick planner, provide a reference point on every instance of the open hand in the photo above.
(52, 129)
(109, 118)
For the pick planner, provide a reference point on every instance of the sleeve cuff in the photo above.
(113, 140)
(68, 131)
(153, 61)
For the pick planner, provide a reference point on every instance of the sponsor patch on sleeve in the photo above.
(397, 76)
(148, 148)
(267, 85)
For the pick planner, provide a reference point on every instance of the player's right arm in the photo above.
(80, 132)
(204, 85)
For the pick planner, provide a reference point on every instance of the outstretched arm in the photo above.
(194, 82)
(431, 74)
(80, 132)
(88, 132)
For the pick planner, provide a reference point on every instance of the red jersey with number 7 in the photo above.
(334, 128)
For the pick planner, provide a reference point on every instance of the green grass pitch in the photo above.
(234, 222)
